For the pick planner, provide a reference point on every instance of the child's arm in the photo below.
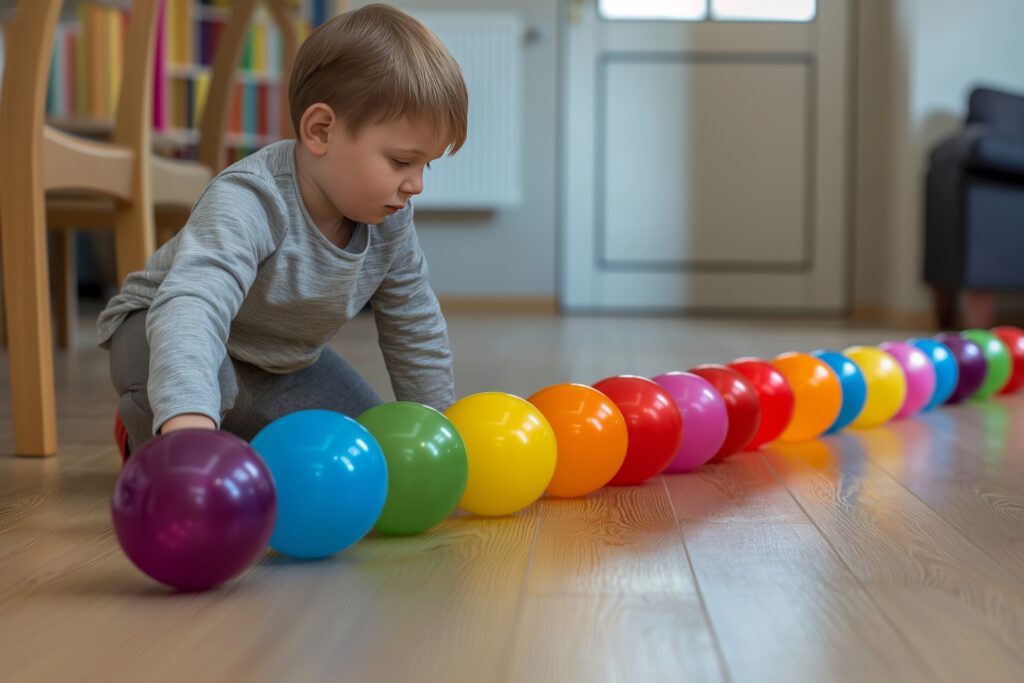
(412, 332)
(214, 264)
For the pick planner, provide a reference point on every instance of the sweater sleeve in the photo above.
(215, 262)
(412, 331)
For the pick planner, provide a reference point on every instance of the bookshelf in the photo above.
(86, 68)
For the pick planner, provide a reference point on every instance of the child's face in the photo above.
(372, 176)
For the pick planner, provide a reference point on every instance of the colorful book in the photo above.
(160, 71)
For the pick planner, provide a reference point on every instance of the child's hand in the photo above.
(188, 421)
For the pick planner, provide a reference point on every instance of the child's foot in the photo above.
(121, 437)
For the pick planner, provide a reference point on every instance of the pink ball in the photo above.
(920, 373)
(705, 419)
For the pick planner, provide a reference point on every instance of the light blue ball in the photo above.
(947, 372)
(855, 387)
(331, 479)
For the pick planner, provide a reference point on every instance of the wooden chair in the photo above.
(176, 184)
(37, 158)
(136, 188)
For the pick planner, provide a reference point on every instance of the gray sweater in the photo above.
(250, 274)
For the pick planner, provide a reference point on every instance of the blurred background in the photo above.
(752, 157)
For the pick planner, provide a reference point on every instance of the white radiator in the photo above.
(486, 172)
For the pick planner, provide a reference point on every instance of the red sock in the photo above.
(121, 437)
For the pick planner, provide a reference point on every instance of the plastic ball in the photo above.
(817, 395)
(332, 481)
(705, 419)
(774, 396)
(427, 465)
(998, 362)
(855, 388)
(511, 450)
(971, 365)
(919, 372)
(194, 508)
(887, 385)
(947, 372)
(1013, 337)
(591, 436)
(742, 405)
(653, 423)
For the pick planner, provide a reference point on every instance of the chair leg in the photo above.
(979, 309)
(27, 302)
(134, 234)
(944, 301)
(23, 229)
(65, 287)
(3, 315)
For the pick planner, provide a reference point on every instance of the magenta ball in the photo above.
(194, 508)
(920, 373)
(705, 419)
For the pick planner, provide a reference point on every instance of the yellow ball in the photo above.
(511, 450)
(887, 385)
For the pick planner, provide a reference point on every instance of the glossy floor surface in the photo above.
(890, 554)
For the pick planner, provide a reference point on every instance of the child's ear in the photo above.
(316, 127)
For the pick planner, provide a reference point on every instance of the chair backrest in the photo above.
(214, 123)
(134, 116)
(29, 48)
(999, 108)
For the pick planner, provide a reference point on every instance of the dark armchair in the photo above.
(974, 209)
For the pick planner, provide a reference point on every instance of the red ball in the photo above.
(653, 423)
(1013, 337)
(775, 398)
(741, 403)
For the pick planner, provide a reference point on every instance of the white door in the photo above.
(704, 158)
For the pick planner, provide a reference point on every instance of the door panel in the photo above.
(704, 163)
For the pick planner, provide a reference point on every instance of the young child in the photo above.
(228, 324)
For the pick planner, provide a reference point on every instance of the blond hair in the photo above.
(378, 64)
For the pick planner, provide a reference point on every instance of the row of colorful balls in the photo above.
(626, 429)
(403, 467)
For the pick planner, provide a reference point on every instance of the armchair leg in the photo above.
(945, 304)
(979, 309)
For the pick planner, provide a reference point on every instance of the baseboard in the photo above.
(505, 305)
(882, 316)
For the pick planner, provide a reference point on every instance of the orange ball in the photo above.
(591, 436)
(817, 395)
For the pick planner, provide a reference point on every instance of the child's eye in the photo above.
(404, 163)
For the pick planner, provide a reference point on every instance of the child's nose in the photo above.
(413, 185)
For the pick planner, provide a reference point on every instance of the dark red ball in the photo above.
(741, 403)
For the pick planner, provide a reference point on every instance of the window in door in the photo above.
(710, 10)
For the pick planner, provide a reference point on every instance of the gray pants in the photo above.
(250, 398)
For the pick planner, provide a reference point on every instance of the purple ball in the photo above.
(970, 360)
(194, 508)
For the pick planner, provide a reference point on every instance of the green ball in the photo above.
(997, 358)
(427, 465)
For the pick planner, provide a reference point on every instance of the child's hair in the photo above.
(378, 64)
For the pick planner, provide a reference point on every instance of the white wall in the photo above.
(918, 60)
(509, 253)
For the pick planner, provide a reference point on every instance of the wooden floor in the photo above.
(882, 555)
